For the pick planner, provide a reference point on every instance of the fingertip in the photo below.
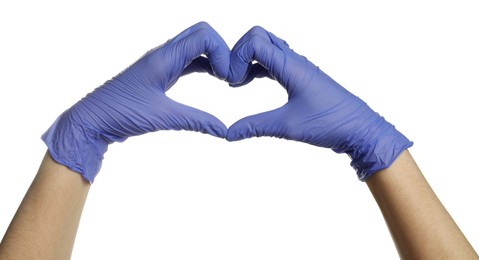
(219, 56)
(217, 51)
(200, 64)
(218, 130)
(256, 70)
(206, 123)
(235, 85)
(263, 124)
(201, 39)
(202, 24)
(220, 63)
(240, 130)
(233, 135)
(256, 45)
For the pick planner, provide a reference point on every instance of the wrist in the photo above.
(380, 147)
(75, 146)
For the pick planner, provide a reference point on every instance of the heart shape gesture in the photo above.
(319, 111)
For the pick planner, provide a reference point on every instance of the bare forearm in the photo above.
(46, 222)
(418, 222)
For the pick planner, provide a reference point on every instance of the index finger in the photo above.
(200, 39)
(262, 46)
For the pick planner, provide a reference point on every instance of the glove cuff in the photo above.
(75, 146)
(379, 151)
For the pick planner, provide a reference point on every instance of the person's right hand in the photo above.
(319, 111)
(135, 102)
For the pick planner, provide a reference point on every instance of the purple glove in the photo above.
(319, 111)
(134, 102)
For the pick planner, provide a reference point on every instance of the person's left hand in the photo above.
(319, 111)
(134, 102)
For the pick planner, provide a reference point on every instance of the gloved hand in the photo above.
(134, 102)
(319, 111)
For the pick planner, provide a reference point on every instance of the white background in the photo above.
(186, 195)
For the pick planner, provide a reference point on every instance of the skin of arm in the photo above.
(45, 224)
(130, 104)
(323, 113)
(418, 222)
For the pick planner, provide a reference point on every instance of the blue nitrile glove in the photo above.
(134, 102)
(319, 111)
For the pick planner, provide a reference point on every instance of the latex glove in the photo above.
(319, 111)
(134, 102)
